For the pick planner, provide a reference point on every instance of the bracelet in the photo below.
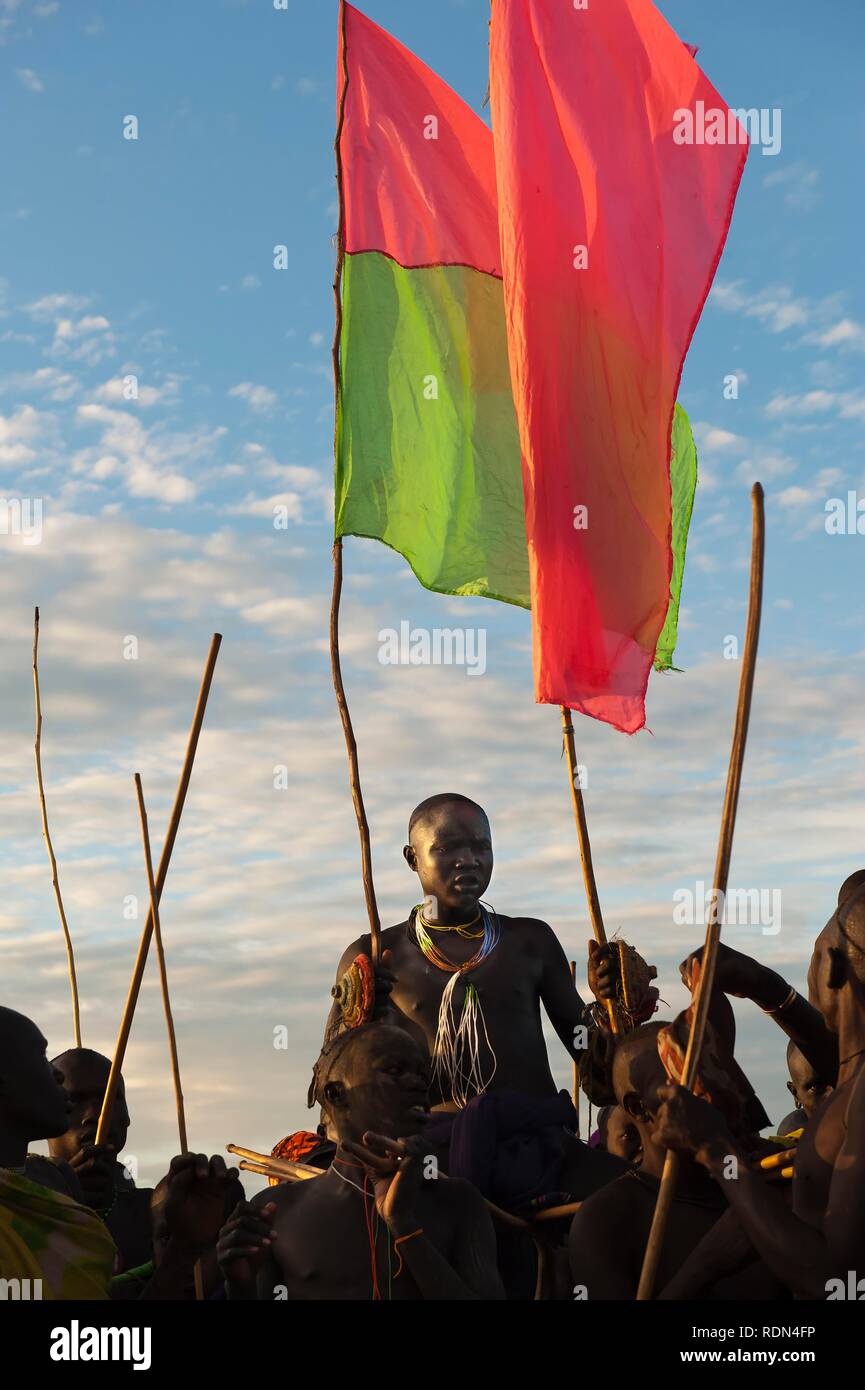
(779, 1008)
(398, 1242)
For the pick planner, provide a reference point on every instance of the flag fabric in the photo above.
(611, 229)
(428, 455)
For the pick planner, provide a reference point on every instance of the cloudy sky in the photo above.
(153, 257)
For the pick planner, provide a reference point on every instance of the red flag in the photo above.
(611, 230)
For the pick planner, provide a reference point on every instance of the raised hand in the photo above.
(244, 1242)
(396, 1167)
(195, 1199)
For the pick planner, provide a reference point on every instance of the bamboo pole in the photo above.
(336, 670)
(161, 874)
(166, 1001)
(591, 886)
(722, 867)
(575, 1077)
(163, 973)
(279, 1167)
(55, 879)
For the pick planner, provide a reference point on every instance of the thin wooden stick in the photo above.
(163, 973)
(166, 1003)
(161, 875)
(588, 867)
(336, 671)
(575, 1078)
(706, 981)
(55, 880)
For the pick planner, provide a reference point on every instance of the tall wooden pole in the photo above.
(161, 874)
(166, 1001)
(591, 886)
(55, 879)
(163, 972)
(575, 1078)
(336, 670)
(703, 996)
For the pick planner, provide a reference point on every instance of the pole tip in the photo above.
(757, 492)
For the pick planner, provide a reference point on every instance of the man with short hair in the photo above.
(380, 1223)
(46, 1238)
(822, 1238)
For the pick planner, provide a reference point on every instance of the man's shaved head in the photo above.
(426, 809)
(85, 1076)
(33, 1104)
(637, 1068)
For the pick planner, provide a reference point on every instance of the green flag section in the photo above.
(683, 485)
(428, 455)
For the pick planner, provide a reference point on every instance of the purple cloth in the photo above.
(511, 1146)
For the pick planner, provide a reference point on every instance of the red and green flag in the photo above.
(498, 424)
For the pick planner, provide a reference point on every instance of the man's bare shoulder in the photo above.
(284, 1195)
(611, 1202)
(536, 933)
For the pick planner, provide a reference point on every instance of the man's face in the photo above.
(386, 1086)
(805, 1086)
(32, 1097)
(85, 1078)
(452, 853)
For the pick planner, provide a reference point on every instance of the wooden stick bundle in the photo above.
(161, 875)
(722, 867)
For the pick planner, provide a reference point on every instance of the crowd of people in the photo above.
(444, 1163)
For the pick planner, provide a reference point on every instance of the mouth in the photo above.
(467, 883)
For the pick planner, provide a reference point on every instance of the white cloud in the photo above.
(30, 80)
(258, 398)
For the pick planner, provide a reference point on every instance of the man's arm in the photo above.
(474, 1273)
(797, 1254)
(844, 1223)
(601, 1267)
(746, 978)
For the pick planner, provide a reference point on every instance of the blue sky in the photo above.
(154, 257)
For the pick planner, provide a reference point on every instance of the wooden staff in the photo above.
(591, 886)
(163, 973)
(161, 874)
(575, 1079)
(279, 1167)
(706, 981)
(166, 1001)
(55, 880)
(339, 688)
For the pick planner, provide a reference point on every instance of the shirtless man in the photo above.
(46, 1235)
(450, 850)
(371, 1226)
(490, 1031)
(609, 1232)
(823, 1236)
(105, 1185)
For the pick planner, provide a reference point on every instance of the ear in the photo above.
(410, 857)
(792, 1089)
(837, 968)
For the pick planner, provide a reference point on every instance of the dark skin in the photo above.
(807, 1087)
(609, 1233)
(33, 1103)
(187, 1212)
(451, 853)
(101, 1177)
(823, 1235)
(311, 1237)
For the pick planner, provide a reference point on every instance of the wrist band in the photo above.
(779, 1008)
(398, 1242)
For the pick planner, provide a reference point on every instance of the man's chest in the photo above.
(815, 1161)
(509, 977)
